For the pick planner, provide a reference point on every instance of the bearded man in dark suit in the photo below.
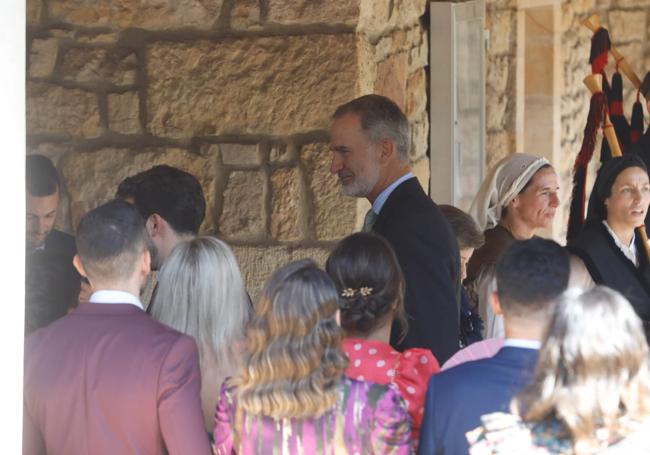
(369, 140)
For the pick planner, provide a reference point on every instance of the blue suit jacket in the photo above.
(457, 398)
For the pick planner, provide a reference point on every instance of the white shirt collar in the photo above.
(520, 343)
(628, 250)
(383, 196)
(109, 296)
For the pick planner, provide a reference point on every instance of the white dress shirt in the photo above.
(109, 296)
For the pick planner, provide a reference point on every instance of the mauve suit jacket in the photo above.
(108, 379)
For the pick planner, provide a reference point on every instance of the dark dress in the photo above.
(608, 265)
(428, 255)
(51, 281)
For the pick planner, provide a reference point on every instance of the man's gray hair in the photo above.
(380, 118)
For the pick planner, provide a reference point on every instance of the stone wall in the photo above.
(237, 92)
(627, 22)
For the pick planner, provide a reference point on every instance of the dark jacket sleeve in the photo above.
(428, 255)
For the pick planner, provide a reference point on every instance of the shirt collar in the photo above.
(383, 196)
(521, 343)
(109, 296)
(628, 250)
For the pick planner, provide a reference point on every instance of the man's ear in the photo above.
(76, 261)
(154, 225)
(387, 150)
(496, 303)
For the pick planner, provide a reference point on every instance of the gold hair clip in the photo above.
(363, 291)
(347, 292)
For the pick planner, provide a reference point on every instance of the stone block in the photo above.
(245, 14)
(42, 57)
(62, 111)
(258, 263)
(271, 85)
(333, 214)
(375, 18)
(146, 14)
(85, 64)
(391, 78)
(416, 93)
(33, 10)
(496, 110)
(498, 73)
(240, 154)
(627, 25)
(92, 177)
(502, 34)
(419, 137)
(282, 153)
(498, 146)
(243, 216)
(287, 205)
(124, 112)
(313, 11)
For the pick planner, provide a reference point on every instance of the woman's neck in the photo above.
(623, 232)
(518, 229)
(379, 334)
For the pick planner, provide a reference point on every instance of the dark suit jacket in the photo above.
(108, 379)
(428, 255)
(457, 398)
(52, 283)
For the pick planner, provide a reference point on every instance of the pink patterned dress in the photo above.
(378, 362)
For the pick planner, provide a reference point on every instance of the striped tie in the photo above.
(369, 221)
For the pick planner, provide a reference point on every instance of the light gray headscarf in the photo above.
(502, 184)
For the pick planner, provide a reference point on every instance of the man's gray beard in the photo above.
(359, 188)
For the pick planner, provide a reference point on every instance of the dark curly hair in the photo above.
(370, 283)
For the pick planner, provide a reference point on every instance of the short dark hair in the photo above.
(531, 275)
(109, 240)
(380, 118)
(467, 232)
(41, 176)
(127, 187)
(365, 260)
(173, 194)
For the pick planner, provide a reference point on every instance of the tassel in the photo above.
(595, 119)
(636, 127)
(600, 46)
(620, 123)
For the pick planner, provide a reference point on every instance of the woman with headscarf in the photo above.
(518, 197)
(609, 248)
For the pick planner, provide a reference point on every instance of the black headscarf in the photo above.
(605, 180)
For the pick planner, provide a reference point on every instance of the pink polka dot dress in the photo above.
(378, 362)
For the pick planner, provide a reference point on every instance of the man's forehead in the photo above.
(42, 205)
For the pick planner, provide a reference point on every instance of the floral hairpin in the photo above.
(363, 291)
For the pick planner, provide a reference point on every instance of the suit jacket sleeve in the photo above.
(428, 255)
(33, 443)
(179, 402)
(427, 445)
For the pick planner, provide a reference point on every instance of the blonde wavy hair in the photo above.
(592, 374)
(294, 362)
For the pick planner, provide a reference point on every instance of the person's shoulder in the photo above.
(366, 391)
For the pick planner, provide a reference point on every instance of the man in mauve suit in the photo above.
(370, 142)
(108, 379)
(530, 276)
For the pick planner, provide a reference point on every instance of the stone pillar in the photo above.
(238, 93)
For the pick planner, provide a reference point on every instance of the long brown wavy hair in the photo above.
(294, 361)
(592, 374)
